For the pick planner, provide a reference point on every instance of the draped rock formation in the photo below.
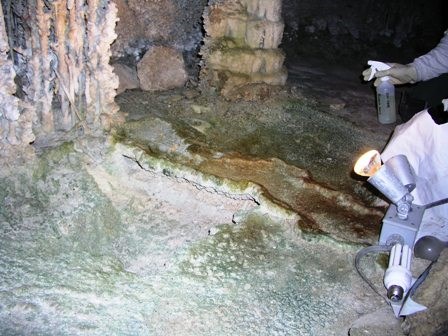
(60, 50)
(241, 46)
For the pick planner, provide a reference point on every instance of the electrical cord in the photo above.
(387, 248)
(436, 203)
(362, 253)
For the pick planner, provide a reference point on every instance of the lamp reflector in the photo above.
(368, 164)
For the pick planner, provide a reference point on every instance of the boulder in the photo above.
(161, 68)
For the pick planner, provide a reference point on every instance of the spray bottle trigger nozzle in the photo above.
(375, 66)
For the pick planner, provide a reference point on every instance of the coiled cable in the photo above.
(362, 253)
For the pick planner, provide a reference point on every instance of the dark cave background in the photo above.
(350, 32)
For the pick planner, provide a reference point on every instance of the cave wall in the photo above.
(142, 25)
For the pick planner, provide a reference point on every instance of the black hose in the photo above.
(436, 203)
(362, 253)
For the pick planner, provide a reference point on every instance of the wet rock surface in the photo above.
(197, 217)
(266, 144)
(134, 244)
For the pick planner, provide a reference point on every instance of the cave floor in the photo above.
(200, 216)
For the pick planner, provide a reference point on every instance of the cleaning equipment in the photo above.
(385, 94)
(401, 226)
(411, 170)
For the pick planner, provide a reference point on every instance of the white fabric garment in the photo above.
(425, 144)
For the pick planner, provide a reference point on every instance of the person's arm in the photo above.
(434, 63)
(425, 67)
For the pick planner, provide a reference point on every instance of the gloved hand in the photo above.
(398, 73)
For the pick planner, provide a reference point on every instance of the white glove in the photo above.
(445, 104)
(398, 73)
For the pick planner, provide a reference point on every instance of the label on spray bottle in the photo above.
(385, 93)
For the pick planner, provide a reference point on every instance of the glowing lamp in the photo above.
(394, 179)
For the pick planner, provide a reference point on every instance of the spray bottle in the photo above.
(385, 94)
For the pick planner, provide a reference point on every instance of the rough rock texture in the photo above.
(241, 47)
(142, 20)
(119, 242)
(61, 51)
(14, 130)
(173, 23)
(162, 68)
(432, 293)
(381, 322)
(127, 77)
(266, 143)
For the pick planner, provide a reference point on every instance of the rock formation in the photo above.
(175, 24)
(60, 50)
(162, 68)
(241, 47)
(9, 104)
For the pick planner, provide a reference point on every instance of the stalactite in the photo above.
(102, 82)
(62, 53)
(9, 104)
(75, 55)
(92, 88)
(45, 74)
(62, 70)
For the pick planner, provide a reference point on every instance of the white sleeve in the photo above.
(434, 63)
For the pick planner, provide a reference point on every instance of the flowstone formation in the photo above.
(60, 51)
(128, 243)
(241, 55)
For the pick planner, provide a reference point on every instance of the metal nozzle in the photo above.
(395, 293)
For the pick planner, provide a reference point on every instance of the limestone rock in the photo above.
(235, 86)
(264, 34)
(241, 47)
(247, 61)
(142, 20)
(127, 77)
(161, 68)
(378, 323)
(265, 9)
(127, 28)
(220, 24)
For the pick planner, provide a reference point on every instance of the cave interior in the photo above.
(176, 167)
